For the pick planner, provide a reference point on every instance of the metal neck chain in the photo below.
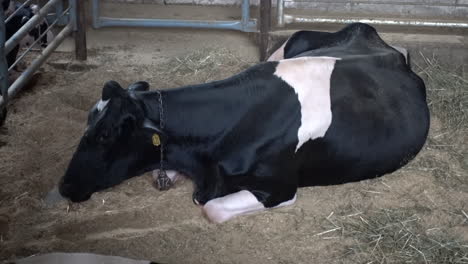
(163, 181)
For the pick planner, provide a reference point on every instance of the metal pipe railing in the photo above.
(39, 38)
(288, 19)
(283, 19)
(3, 62)
(280, 13)
(245, 13)
(17, 10)
(25, 76)
(28, 73)
(16, 38)
(245, 24)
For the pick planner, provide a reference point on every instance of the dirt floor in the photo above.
(416, 215)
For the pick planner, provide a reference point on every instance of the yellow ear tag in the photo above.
(156, 140)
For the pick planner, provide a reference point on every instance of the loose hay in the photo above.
(393, 236)
(200, 66)
(447, 95)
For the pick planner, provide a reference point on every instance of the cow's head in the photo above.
(36, 31)
(117, 144)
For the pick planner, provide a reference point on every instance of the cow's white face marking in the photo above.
(244, 202)
(279, 53)
(102, 104)
(310, 78)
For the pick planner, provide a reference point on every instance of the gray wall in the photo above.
(444, 9)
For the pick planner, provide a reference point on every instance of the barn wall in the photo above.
(422, 8)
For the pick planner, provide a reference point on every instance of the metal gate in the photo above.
(246, 24)
(283, 19)
(62, 17)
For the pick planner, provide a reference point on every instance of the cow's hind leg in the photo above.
(243, 202)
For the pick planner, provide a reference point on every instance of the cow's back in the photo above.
(380, 117)
(354, 41)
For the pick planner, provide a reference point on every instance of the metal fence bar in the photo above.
(283, 19)
(245, 24)
(28, 73)
(3, 66)
(6, 46)
(16, 38)
(280, 13)
(59, 10)
(17, 10)
(245, 13)
(39, 38)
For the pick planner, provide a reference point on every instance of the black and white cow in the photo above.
(346, 110)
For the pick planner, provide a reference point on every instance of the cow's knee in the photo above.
(243, 202)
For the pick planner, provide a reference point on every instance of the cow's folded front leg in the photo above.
(243, 202)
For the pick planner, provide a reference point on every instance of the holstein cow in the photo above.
(345, 111)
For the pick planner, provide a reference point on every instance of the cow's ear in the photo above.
(112, 89)
(139, 86)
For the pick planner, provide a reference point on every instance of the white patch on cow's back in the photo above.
(243, 202)
(102, 104)
(310, 77)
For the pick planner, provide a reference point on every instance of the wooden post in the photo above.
(265, 26)
(80, 34)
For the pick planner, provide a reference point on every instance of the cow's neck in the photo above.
(196, 118)
(204, 112)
